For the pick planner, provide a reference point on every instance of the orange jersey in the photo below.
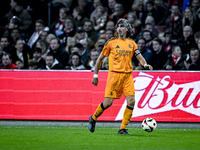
(120, 54)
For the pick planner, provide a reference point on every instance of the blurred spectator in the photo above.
(186, 42)
(94, 54)
(160, 56)
(43, 45)
(150, 26)
(109, 34)
(167, 45)
(83, 52)
(71, 41)
(79, 16)
(147, 35)
(75, 62)
(146, 53)
(38, 9)
(37, 55)
(69, 30)
(86, 6)
(96, 3)
(138, 8)
(15, 33)
(150, 10)
(59, 52)
(49, 37)
(118, 13)
(135, 24)
(195, 4)
(176, 59)
(162, 11)
(174, 22)
(39, 27)
(52, 63)
(191, 19)
(87, 43)
(196, 38)
(193, 63)
(80, 34)
(59, 23)
(57, 4)
(33, 65)
(89, 29)
(5, 43)
(44, 33)
(111, 6)
(100, 44)
(1, 54)
(19, 63)
(105, 64)
(100, 18)
(24, 17)
(20, 51)
(161, 36)
(110, 25)
(7, 62)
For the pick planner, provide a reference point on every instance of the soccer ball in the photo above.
(149, 124)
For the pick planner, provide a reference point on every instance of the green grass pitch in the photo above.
(75, 138)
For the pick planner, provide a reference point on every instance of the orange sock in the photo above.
(98, 111)
(127, 117)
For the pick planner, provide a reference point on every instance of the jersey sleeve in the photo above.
(106, 49)
(135, 49)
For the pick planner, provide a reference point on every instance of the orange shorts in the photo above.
(118, 83)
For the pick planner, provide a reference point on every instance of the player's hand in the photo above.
(95, 81)
(148, 67)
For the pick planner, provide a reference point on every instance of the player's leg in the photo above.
(130, 97)
(100, 109)
(103, 106)
(127, 114)
(128, 111)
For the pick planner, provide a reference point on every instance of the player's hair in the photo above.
(126, 24)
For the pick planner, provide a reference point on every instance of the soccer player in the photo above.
(120, 50)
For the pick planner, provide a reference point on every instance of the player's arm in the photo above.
(96, 70)
(143, 62)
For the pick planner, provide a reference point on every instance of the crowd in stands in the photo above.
(166, 31)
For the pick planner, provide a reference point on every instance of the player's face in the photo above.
(121, 30)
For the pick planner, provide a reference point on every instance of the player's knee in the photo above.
(131, 102)
(107, 103)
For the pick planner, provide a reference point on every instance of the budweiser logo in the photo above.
(155, 95)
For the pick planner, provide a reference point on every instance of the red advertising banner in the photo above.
(70, 95)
